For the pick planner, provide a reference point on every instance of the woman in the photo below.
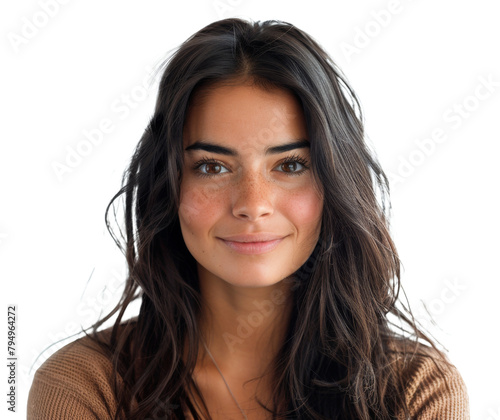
(257, 241)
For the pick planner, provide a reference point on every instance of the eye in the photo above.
(209, 167)
(290, 166)
(293, 165)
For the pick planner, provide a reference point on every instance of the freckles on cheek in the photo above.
(196, 206)
(191, 205)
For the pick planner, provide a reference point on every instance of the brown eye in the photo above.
(289, 166)
(213, 168)
(293, 165)
(208, 167)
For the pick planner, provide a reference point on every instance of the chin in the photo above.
(250, 277)
(253, 283)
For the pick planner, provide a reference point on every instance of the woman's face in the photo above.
(250, 211)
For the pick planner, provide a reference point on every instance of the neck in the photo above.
(243, 326)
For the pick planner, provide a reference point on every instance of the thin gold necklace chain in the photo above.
(224, 379)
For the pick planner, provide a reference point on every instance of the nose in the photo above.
(253, 197)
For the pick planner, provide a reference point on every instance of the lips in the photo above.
(254, 237)
(253, 244)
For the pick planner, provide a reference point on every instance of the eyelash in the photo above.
(289, 159)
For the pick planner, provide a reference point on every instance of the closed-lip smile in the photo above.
(258, 243)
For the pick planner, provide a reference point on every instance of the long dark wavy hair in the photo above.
(337, 361)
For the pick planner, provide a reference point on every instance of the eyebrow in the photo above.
(222, 150)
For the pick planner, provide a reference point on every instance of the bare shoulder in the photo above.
(75, 382)
(434, 387)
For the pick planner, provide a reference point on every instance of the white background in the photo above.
(413, 65)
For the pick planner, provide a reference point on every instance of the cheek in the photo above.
(198, 207)
(305, 211)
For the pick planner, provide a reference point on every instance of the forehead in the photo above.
(244, 114)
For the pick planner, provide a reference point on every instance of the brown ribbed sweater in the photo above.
(76, 383)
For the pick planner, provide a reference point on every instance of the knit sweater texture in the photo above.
(76, 382)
